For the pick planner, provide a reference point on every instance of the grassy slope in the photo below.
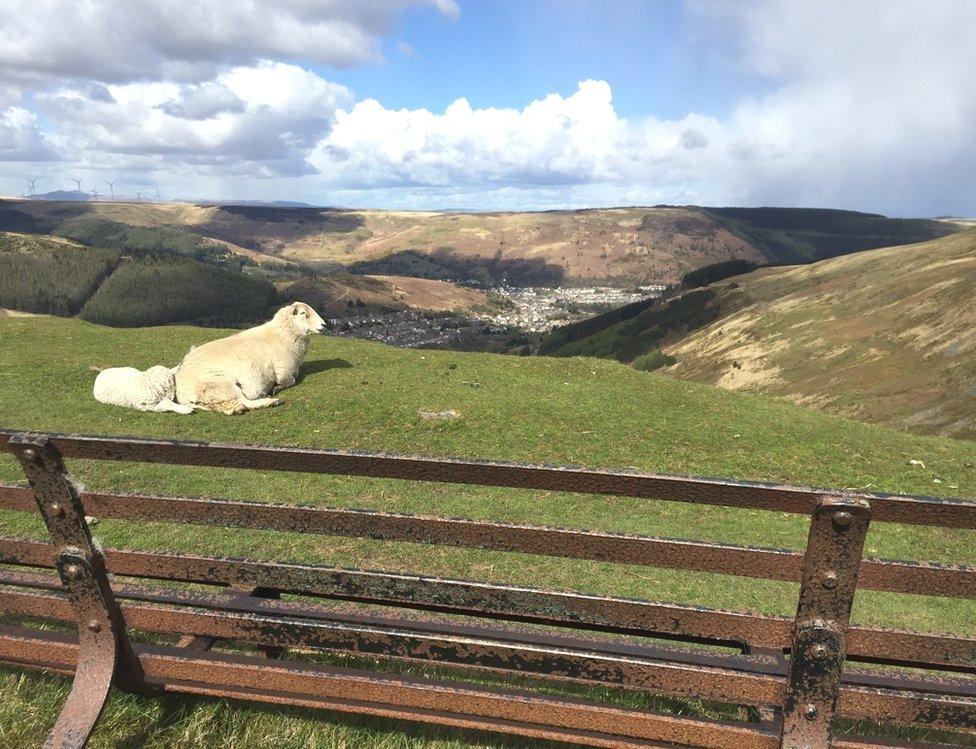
(883, 335)
(655, 322)
(887, 336)
(358, 395)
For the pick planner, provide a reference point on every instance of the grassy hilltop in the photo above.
(358, 395)
(885, 335)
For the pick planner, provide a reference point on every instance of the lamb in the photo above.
(152, 390)
(244, 371)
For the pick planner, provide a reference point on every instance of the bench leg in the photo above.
(104, 653)
(97, 656)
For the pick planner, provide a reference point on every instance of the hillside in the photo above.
(131, 280)
(334, 295)
(358, 395)
(886, 336)
(617, 246)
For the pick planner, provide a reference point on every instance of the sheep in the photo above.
(244, 371)
(152, 390)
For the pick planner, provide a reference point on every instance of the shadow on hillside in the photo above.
(444, 264)
(38, 216)
(321, 365)
(268, 228)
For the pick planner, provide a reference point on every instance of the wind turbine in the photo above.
(138, 196)
(30, 186)
(95, 194)
(111, 189)
(157, 195)
(77, 182)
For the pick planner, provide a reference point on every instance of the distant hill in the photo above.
(802, 235)
(73, 195)
(614, 246)
(887, 336)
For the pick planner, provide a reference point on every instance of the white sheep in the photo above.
(243, 371)
(152, 390)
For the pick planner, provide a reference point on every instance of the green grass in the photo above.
(363, 396)
(626, 340)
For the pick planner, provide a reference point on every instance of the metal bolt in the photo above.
(72, 571)
(94, 625)
(818, 652)
(29, 454)
(842, 520)
(810, 712)
(830, 580)
(56, 509)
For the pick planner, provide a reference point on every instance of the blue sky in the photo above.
(512, 104)
(507, 53)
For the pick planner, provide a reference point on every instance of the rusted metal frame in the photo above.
(776, 564)
(218, 672)
(855, 742)
(921, 578)
(915, 510)
(838, 528)
(40, 599)
(200, 641)
(411, 698)
(28, 594)
(602, 613)
(709, 676)
(104, 652)
(897, 696)
(672, 621)
(770, 716)
(251, 572)
(883, 705)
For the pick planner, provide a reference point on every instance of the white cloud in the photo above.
(874, 105)
(21, 138)
(127, 40)
(577, 139)
(261, 120)
(864, 105)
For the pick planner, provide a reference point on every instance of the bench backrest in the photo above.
(799, 695)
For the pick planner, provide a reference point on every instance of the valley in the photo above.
(511, 318)
(644, 286)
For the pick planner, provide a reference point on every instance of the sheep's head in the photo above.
(302, 318)
(160, 381)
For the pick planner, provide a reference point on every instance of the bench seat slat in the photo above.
(690, 624)
(417, 699)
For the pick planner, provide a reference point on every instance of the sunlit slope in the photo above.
(618, 246)
(887, 336)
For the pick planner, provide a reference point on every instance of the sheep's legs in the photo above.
(251, 404)
(287, 383)
(167, 405)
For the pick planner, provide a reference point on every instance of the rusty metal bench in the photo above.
(789, 674)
